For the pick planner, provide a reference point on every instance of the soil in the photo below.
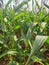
(22, 44)
(46, 54)
(1, 63)
(36, 63)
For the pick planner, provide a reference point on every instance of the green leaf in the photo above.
(17, 27)
(47, 41)
(36, 59)
(8, 52)
(9, 1)
(5, 45)
(39, 41)
(37, 4)
(13, 63)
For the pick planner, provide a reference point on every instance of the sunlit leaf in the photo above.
(39, 41)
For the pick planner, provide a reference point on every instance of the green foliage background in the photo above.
(22, 35)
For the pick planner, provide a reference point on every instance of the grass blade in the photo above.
(39, 41)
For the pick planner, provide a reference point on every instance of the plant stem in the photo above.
(29, 57)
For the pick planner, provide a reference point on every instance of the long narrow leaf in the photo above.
(45, 4)
(39, 41)
(37, 4)
(8, 52)
(9, 1)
